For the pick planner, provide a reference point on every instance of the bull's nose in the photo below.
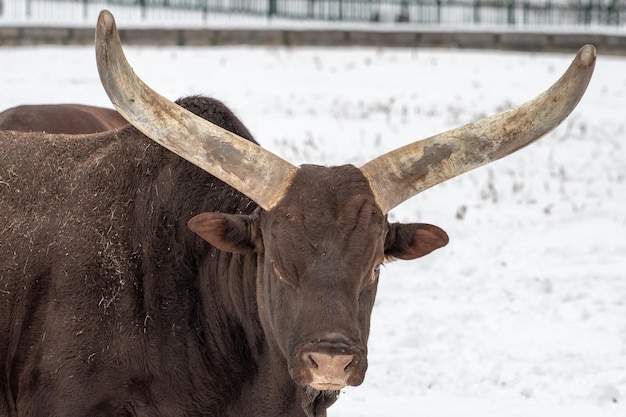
(328, 371)
(318, 360)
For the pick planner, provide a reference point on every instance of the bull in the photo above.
(60, 118)
(111, 306)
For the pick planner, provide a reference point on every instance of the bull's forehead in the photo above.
(329, 209)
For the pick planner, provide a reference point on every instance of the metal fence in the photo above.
(433, 12)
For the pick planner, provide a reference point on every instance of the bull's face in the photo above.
(319, 254)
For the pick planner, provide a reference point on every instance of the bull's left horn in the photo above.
(254, 171)
(406, 171)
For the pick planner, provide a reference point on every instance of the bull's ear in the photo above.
(414, 240)
(227, 232)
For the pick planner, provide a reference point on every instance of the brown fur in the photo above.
(111, 306)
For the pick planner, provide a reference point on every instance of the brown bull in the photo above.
(110, 306)
(60, 118)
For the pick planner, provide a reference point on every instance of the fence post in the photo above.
(142, 4)
(205, 10)
(476, 11)
(510, 12)
(404, 15)
(272, 8)
(438, 11)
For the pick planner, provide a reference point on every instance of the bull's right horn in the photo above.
(254, 171)
(406, 171)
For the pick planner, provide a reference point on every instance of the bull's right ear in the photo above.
(414, 240)
(227, 232)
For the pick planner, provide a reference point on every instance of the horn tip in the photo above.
(106, 20)
(587, 55)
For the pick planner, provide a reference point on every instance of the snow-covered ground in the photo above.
(524, 312)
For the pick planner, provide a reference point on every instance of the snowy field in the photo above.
(524, 312)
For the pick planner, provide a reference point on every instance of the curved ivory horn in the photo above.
(254, 171)
(402, 173)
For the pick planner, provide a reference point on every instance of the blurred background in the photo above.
(501, 13)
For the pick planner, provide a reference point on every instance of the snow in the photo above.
(523, 314)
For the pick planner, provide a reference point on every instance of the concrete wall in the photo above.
(614, 44)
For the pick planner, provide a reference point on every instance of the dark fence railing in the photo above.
(435, 12)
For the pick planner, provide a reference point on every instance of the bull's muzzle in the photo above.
(328, 372)
(331, 365)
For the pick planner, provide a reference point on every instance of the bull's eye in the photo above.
(279, 275)
(369, 283)
(277, 271)
(375, 273)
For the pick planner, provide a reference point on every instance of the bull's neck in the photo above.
(220, 307)
(195, 298)
(229, 298)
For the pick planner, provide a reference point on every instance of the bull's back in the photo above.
(60, 118)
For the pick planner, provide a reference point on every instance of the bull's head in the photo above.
(322, 233)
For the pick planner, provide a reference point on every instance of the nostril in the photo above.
(309, 360)
(350, 364)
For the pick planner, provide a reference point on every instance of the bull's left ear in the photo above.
(227, 232)
(414, 240)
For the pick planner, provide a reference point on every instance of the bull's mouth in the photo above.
(322, 382)
(327, 386)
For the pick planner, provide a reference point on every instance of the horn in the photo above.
(402, 173)
(254, 171)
